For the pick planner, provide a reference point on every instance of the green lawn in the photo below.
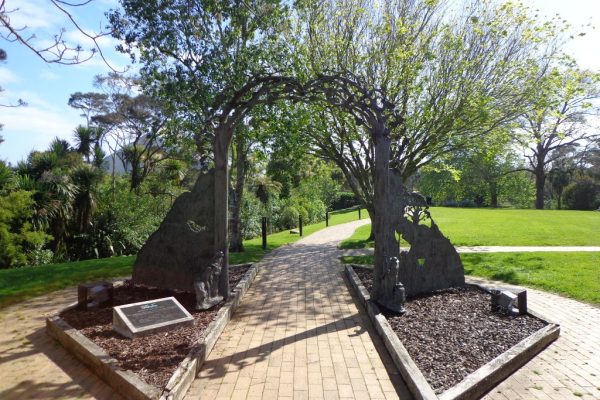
(573, 274)
(507, 227)
(19, 284)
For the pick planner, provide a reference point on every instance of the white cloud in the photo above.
(33, 14)
(7, 76)
(32, 128)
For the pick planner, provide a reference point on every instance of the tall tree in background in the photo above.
(415, 85)
(558, 117)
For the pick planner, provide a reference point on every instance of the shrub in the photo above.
(251, 215)
(17, 235)
(468, 203)
(288, 218)
(344, 200)
(583, 194)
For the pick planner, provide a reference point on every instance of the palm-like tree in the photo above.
(84, 140)
(87, 140)
(86, 179)
(60, 147)
(7, 177)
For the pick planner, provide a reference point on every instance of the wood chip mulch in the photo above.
(153, 357)
(451, 333)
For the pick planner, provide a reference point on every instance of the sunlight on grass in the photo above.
(19, 284)
(572, 274)
(506, 227)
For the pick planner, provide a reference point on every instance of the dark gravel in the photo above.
(153, 357)
(453, 332)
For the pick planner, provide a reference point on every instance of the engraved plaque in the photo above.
(146, 317)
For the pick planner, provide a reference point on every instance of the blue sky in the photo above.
(46, 87)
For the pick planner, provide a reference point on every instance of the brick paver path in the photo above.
(298, 334)
(33, 365)
(567, 369)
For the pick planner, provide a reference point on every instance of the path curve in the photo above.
(297, 333)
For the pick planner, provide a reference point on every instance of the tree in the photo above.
(416, 86)
(558, 117)
(212, 64)
(136, 125)
(90, 104)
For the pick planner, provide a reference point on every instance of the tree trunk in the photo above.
(559, 204)
(494, 194)
(540, 180)
(221, 145)
(371, 213)
(236, 244)
(385, 241)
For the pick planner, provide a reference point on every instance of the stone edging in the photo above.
(127, 383)
(474, 385)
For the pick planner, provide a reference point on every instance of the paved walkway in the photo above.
(567, 369)
(298, 334)
(34, 366)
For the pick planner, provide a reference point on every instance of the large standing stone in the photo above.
(432, 263)
(182, 248)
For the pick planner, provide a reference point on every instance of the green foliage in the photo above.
(344, 200)
(583, 194)
(19, 242)
(289, 217)
(124, 220)
(251, 214)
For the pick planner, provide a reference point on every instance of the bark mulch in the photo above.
(451, 333)
(153, 357)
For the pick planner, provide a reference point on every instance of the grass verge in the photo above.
(572, 274)
(506, 227)
(19, 284)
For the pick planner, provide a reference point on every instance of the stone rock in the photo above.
(182, 248)
(432, 263)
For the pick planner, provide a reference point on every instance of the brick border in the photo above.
(127, 383)
(474, 385)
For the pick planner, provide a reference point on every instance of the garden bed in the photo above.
(164, 363)
(450, 344)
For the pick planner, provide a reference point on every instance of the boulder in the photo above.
(182, 248)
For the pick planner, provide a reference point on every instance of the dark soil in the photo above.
(153, 357)
(453, 332)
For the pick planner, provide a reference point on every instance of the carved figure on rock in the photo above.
(206, 285)
(430, 264)
(394, 302)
